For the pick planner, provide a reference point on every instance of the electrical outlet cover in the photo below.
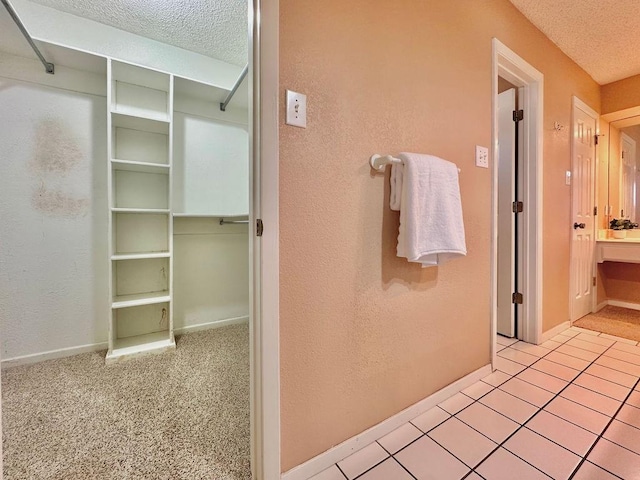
(482, 157)
(296, 109)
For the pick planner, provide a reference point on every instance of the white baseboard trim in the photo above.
(208, 325)
(600, 306)
(346, 448)
(71, 351)
(52, 355)
(619, 303)
(555, 331)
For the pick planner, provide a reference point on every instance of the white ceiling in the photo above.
(215, 28)
(602, 36)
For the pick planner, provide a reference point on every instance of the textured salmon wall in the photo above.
(364, 334)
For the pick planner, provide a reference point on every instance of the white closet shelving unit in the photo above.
(140, 223)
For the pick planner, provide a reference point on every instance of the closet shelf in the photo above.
(135, 122)
(137, 300)
(139, 113)
(140, 256)
(141, 210)
(144, 167)
(130, 346)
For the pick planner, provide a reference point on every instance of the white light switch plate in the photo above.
(296, 109)
(482, 157)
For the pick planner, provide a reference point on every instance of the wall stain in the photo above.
(57, 203)
(56, 149)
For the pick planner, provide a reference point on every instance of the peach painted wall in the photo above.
(621, 95)
(621, 281)
(363, 333)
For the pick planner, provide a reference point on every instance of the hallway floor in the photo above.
(566, 409)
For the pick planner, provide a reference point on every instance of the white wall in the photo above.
(210, 177)
(210, 272)
(53, 238)
(211, 166)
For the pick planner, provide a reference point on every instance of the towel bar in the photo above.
(378, 162)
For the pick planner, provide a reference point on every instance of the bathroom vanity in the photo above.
(619, 250)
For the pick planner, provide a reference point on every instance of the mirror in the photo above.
(623, 182)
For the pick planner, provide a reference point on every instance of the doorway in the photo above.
(527, 223)
(263, 307)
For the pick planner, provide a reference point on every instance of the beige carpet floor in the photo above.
(621, 322)
(176, 415)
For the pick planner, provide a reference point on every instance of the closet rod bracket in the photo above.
(48, 66)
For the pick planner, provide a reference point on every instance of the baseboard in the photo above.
(555, 331)
(346, 448)
(619, 303)
(600, 306)
(95, 347)
(208, 325)
(52, 355)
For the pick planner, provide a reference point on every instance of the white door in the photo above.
(506, 217)
(582, 206)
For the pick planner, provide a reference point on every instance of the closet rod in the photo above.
(223, 105)
(233, 222)
(48, 66)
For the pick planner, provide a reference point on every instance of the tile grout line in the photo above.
(523, 425)
(371, 467)
(391, 457)
(343, 474)
(599, 437)
(628, 424)
(571, 382)
(501, 445)
(402, 466)
(498, 445)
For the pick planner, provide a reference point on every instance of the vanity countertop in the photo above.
(618, 240)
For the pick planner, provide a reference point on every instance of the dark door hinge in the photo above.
(517, 298)
(595, 210)
(595, 139)
(517, 207)
(259, 227)
(594, 281)
(518, 115)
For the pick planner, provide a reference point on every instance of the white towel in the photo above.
(396, 187)
(431, 225)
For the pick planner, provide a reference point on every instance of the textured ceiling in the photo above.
(602, 36)
(216, 28)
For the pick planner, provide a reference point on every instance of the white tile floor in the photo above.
(566, 409)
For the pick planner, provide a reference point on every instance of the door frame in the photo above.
(264, 250)
(512, 67)
(577, 103)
